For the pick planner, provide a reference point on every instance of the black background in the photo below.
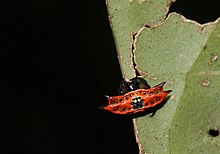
(58, 60)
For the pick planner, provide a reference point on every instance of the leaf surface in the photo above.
(186, 55)
(126, 18)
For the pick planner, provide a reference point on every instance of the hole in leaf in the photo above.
(213, 132)
(200, 11)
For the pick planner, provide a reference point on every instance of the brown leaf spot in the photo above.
(170, 81)
(205, 83)
(214, 57)
(154, 77)
(202, 29)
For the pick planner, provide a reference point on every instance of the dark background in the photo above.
(58, 60)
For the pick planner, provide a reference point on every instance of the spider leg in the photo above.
(154, 111)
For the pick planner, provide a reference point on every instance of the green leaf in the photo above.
(199, 108)
(127, 17)
(185, 54)
(170, 52)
